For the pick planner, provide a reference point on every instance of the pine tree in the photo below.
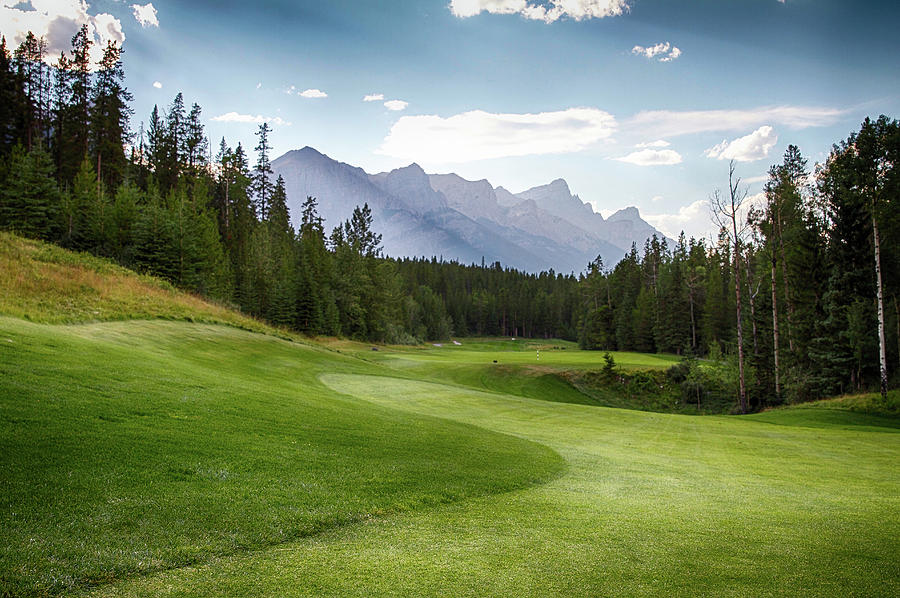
(8, 93)
(262, 187)
(85, 212)
(80, 118)
(154, 239)
(173, 154)
(110, 113)
(196, 144)
(278, 215)
(29, 197)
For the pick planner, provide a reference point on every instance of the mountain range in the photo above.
(447, 216)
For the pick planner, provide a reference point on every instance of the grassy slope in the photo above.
(43, 283)
(134, 446)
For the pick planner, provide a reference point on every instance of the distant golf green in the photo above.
(555, 354)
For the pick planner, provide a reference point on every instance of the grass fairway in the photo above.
(651, 504)
(132, 447)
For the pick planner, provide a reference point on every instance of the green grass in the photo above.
(848, 412)
(131, 447)
(553, 370)
(520, 353)
(650, 504)
(164, 458)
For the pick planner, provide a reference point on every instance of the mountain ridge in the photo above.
(444, 215)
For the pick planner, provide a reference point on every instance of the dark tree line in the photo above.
(819, 313)
(814, 269)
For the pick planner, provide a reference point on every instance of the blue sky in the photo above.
(633, 102)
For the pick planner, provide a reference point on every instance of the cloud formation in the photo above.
(479, 135)
(145, 15)
(373, 97)
(313, 93)
(396, 105)
(748, 148)
(57, 21)
(693, 219)
(663, 51)
(556, 9)
(669, 123)
(696, 219)
(652, 157)
(657, 143)
(157, 85)
(234, 117)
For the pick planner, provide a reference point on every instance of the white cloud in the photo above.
(652, 157)
(656, 198)
(396, 105)
(157, 85)
(313, 93)
(668, 123)
(373, 97)
(145, 15)
(57, 21)
(234, 117)
(657, 143)
(479, 135)
(748, 148)
(663, 51)
(555, 9)
(696, 219)
(258, 85)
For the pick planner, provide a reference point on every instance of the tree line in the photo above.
(790, 288)
(803, 288)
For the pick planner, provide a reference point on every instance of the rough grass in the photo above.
(44, 283)
(851, 411)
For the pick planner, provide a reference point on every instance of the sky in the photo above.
(632, 102)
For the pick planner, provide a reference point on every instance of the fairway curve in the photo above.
(651, 504)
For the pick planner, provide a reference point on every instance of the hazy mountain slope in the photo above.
(550, 234)
(447, 216)
(621, 229)
(413, 218)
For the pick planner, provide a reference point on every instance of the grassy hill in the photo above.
(41, 282)
(180, 456)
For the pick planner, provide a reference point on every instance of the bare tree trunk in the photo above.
(882, 354)
(787, 287)
(775, 328)
(740, 332)
(733, 190)
(897, 312)
(752, 296)
(725, 213)
(694, 323)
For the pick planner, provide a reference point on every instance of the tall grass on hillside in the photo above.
(45, 283)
